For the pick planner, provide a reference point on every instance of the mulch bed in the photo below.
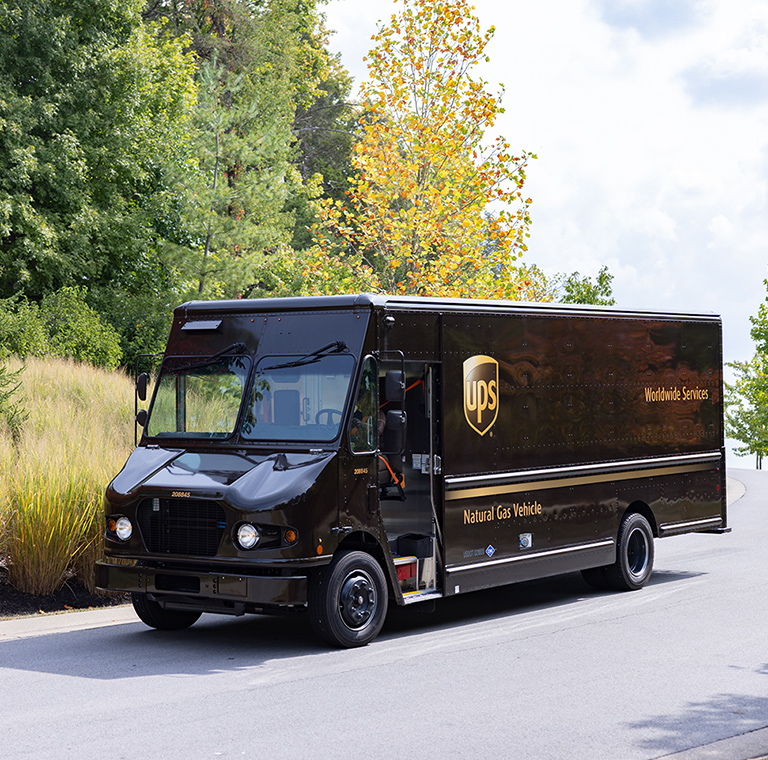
(71, 596)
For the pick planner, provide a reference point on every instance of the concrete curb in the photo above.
(734, 490)
(76, 620)
(751, 746)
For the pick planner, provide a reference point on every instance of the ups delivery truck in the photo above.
(336, 455)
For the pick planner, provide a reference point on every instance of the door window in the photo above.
(364, 425)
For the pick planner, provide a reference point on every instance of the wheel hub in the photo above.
(357, 601)
(637, 552)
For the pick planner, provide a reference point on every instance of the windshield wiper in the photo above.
(239, 348)
(332, 348)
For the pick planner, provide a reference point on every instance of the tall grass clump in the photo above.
(52, 476)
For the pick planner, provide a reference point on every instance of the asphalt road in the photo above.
(548, 669)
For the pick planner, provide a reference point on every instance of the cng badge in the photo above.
(481, 392)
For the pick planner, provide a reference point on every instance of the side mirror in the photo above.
(394, 386)
(141, 417)
(394, 433)
(141, 386)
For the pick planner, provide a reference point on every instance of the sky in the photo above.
(650, 122)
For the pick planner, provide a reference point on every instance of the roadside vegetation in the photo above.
(161, 152)
(54, 467)
(746, 398)
(155, 152)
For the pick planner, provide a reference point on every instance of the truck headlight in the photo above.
(123, 528)
(248, 536)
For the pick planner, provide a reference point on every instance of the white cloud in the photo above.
(652, 18)
(722, 232)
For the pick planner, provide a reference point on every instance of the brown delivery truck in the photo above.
(339, 454)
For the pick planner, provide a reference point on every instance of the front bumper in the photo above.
(209, 592)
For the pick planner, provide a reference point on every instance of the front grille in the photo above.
(192, 527)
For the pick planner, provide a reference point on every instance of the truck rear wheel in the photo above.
(348, 600)
(155, 616)
(634, 555)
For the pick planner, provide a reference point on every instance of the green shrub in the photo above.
(77, 331)
(62, 325)
(21, 330)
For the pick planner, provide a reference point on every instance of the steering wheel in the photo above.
(329, 414)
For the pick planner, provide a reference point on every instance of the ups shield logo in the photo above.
(481, 392)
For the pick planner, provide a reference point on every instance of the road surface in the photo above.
(547, 669)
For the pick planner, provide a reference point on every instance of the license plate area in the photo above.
(185, 584)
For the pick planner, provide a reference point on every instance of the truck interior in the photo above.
(411, 502)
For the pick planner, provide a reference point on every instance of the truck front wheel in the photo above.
(634, 555)
(155, 616)
(348, 600)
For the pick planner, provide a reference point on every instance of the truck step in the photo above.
(411, 597)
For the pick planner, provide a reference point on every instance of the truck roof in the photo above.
(371, 301)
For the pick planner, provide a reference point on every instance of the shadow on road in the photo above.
(671, 576)
(217, 644)
(700, 723)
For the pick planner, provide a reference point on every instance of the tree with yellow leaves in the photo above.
(434, 209)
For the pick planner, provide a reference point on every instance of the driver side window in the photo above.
(364, 426)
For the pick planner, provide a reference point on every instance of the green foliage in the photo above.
(759, 331)
(313, 273)
(323, 126)
(76, 330)
(234, 194)
(89, 101)
(746, 399)
(241, 190)
(92, 105)
(577, 289)
(62, 325)
(21, 330)
(325, 130)
(158, 152)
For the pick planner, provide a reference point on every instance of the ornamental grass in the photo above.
(52, 478)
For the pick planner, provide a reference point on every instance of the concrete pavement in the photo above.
(749, 746)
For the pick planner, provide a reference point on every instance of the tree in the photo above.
(313, 273)
(746, 399)
(430, 193)
(76, 330)
(234, 192)
(323, 126)
(242, 198)
(90, 102)
(577, 289)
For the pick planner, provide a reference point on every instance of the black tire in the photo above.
(634, 555)
(155, 616)
(348, 600)
(595, 577)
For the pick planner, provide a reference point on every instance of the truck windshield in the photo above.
(198, 398)
(298, 400)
